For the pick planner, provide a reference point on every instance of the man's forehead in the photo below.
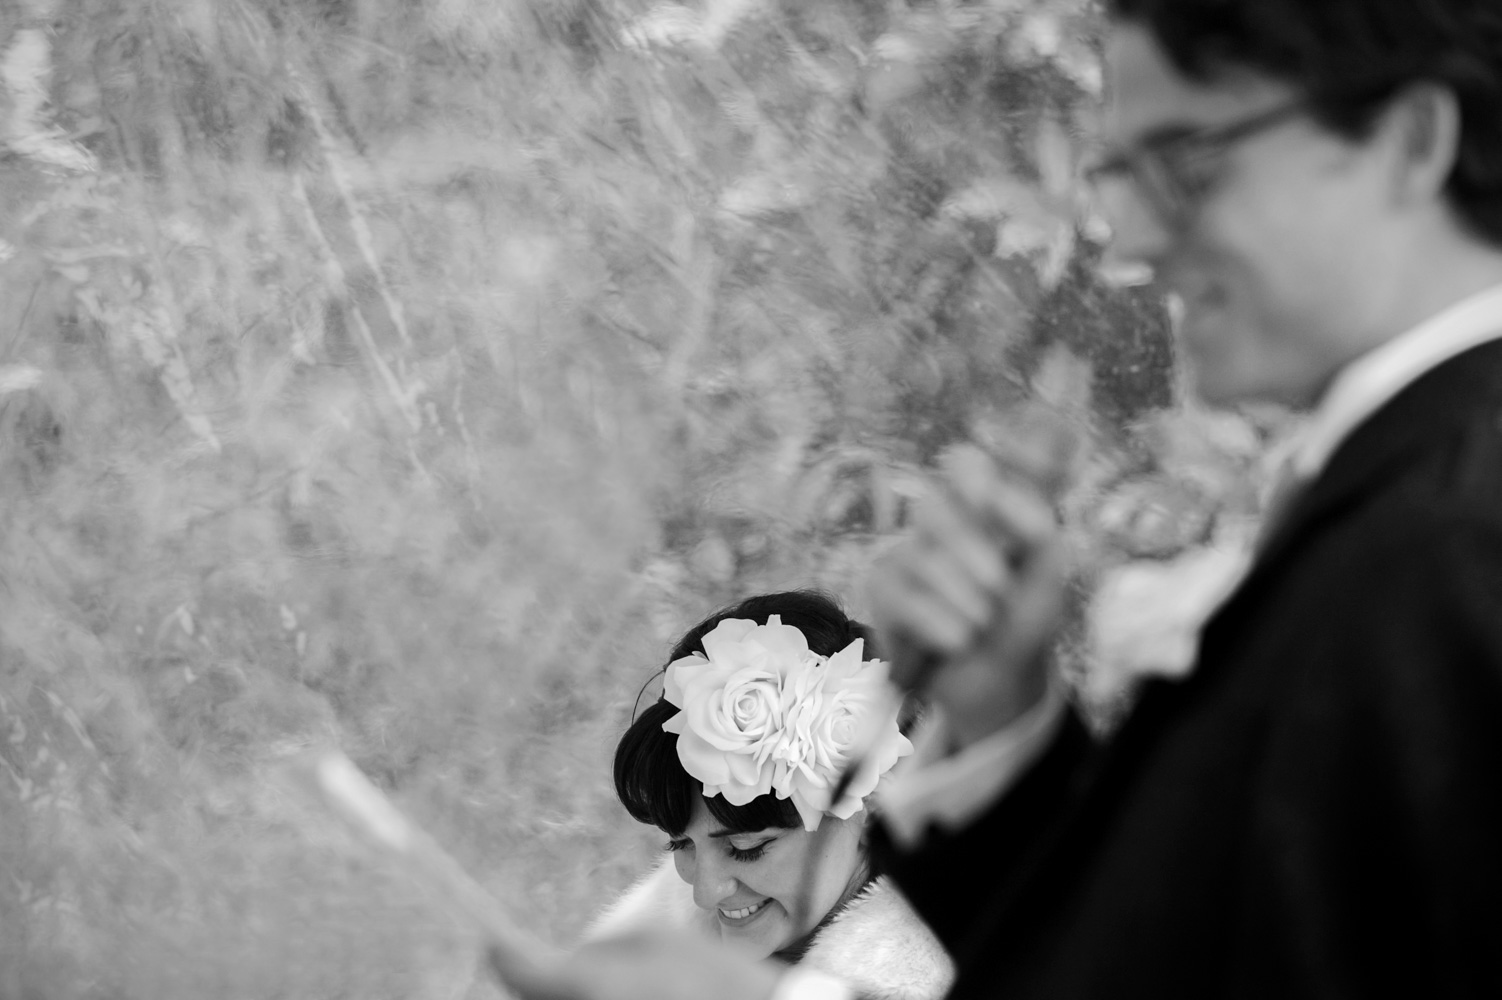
(1148, 94)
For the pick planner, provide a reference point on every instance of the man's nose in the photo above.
(712, 885)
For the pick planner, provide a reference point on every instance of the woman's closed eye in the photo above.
(752, 852)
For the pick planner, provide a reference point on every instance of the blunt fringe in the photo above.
(1350, 57)
(650, 780)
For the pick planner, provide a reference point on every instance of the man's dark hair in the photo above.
(1349, 57)
(649, 778)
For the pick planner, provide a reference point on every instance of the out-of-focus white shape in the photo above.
(1175, 303)
(1095, 228)
(1053, 152)
(145, 316)
(994, 197)
(1031, 223)
(722, 16)
(185, 232)
(25, 68)
(362, 803)
(1120, 273)
(665, 25)
(1043, 36)
(1063, 380)
(476, 25)
(1023, 237)
(517, 956)
(764, 194)
(17, 378)
(1059, 252)
(7, 251)
(669, 24)
(899, 47)
(340, 174)
(399, 394)
(1020, 236)
(73, 262)
(1146, 616)
(1080, 63)
(1041, 33)
(1154, 516)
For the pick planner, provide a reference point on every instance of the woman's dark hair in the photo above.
(649, 778)
(1349, 58)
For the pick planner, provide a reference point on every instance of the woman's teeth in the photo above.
(744, 912)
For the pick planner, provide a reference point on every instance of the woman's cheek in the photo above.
(683, 862)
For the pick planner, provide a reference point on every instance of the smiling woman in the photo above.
(769, 889)
(763, 706)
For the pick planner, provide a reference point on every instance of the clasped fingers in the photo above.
(978, 576)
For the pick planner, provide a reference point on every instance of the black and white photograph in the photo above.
(750, 499)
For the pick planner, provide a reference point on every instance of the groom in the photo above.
(1317, 809)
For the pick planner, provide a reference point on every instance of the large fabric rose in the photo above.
(761, 713)
(836, 714)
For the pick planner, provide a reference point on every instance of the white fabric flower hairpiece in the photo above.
(761, 712)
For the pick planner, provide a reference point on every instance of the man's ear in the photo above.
(1424, 122)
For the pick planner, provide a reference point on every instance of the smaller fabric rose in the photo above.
(761, 712)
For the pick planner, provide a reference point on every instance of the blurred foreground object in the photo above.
(517, 956)
(1146, 615)
(398, 367)
(658, 966)
(975, 597)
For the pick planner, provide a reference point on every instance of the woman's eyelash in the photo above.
(748, 853)
(736, 853)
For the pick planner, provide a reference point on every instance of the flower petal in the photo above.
(724, 638)
(782, 641)
(763, 714)
(701, 760)
(672, 682)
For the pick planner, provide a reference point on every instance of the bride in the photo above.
(763, 706)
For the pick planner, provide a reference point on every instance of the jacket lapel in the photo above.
(1397, 436)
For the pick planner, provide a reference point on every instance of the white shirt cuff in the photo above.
(810, 984)
(934, 786)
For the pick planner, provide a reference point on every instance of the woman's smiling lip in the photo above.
(741, 916)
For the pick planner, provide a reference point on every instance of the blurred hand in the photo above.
(642, 967)
(969, 603)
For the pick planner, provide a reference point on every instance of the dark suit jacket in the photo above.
(1317, 810)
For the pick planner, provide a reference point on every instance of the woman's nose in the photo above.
(712, 885)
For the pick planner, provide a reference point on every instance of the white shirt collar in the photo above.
(1366, 384)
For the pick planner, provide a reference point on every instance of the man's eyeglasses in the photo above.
(1175, 172)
